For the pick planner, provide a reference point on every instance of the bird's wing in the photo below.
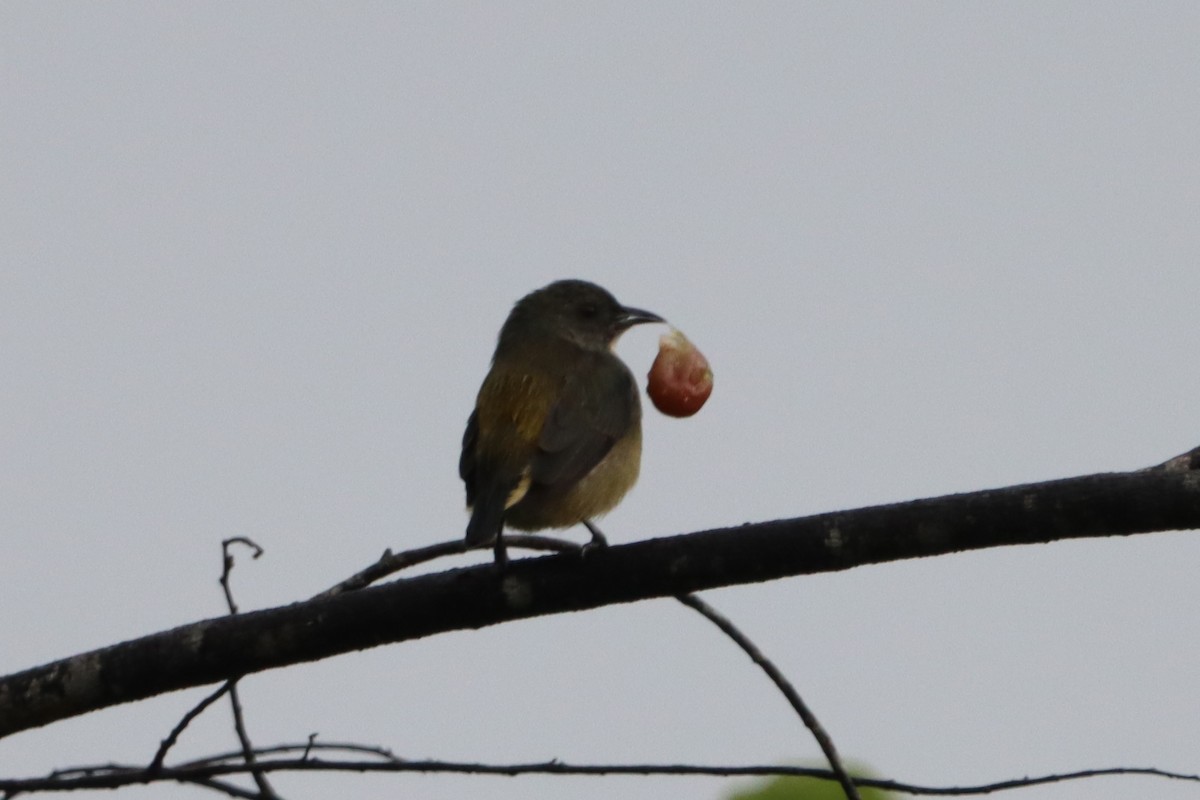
(597, 406)
(466, 462)
(490, 488)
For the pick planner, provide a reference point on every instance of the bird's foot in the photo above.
(501, 553)
(599, 540)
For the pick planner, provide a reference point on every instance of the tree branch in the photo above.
(112, 776)
(783, 685)
(1163, 498)
(265, 790)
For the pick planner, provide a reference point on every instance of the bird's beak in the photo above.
(635, 316)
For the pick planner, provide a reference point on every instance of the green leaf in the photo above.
(797, 788)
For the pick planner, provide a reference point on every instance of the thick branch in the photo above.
(1160, 499)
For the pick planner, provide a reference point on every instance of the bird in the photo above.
(555, 438)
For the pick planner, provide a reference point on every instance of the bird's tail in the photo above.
(487, 516)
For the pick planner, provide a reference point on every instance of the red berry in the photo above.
(680, 379)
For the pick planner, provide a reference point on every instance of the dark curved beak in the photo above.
(635, 316)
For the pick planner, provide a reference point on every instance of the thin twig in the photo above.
(227, 565)
(239, 722)
(306, 750)
(173, 737)
(782, 683)
(111, 776)
(390, 563)
(266, 791)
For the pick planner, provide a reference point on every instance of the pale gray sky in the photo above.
(257, 255)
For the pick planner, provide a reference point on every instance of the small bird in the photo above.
(556, 435)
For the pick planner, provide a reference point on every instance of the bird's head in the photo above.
(576, 310)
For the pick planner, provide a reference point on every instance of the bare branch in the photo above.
(173, 736)
(227, 565)
(305, 749)
(265, 790)
(113, 776)
(390, 563)
(219, 649)
(781, 683)
(1185, 462)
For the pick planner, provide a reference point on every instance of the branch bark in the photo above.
(1162, 498)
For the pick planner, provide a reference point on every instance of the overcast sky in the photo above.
(256, 256)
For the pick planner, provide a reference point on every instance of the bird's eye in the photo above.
(589, 310)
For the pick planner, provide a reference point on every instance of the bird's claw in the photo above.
(501, 553)
(599, 540)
